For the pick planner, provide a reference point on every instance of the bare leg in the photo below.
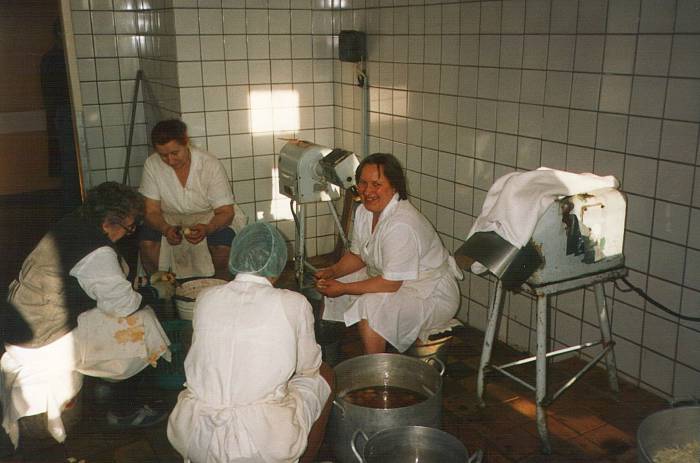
(150, 252)
(372, 343)
(319, 428)
(219, 256)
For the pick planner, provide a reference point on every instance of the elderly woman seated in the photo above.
(255, 381)
(72, 312)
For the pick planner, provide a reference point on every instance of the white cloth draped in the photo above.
(516, 201)
(45, 379)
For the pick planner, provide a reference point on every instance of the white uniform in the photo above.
(111, 341)
(403, 247)
(207, 188)
(207, 185)
(253, 384)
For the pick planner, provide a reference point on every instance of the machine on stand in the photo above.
(311, 173)
(577, 243)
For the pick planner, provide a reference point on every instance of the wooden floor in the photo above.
(587, 424)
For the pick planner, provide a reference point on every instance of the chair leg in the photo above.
(489, 336)
(607, 336)
(541, 362)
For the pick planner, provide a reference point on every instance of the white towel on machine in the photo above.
(516, 201)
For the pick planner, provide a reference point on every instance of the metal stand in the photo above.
(300, 262)
(540, 388)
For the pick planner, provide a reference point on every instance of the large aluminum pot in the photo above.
(383, 370)
(415, 444)
(674, 428)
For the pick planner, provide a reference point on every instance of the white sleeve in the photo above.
(149, 185)
(356, 235)
(218, 188)
(400, 253)
(102, 278)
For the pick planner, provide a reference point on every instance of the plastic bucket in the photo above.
(668, 429)
(186, 295)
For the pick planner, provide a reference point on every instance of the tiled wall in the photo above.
(242, 75)
(106, 44)
(464, 92)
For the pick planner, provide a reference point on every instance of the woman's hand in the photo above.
(330, 288)
(172, 234)
(196, 233)
(325, 274)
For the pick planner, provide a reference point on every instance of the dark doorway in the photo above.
(39, 178)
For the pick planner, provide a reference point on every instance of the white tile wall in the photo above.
(604, 86)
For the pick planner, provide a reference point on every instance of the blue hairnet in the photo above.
(259, 249)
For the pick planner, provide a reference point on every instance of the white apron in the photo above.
(186, 260)
(45, 379)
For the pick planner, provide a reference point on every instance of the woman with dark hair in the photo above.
(189, 207)
(71, 311)
(398, 282)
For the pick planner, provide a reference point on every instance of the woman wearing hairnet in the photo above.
(254, 371)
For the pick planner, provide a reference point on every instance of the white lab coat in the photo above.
(253, 384)
(403, 247)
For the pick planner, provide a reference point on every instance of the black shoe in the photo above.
(141, 418)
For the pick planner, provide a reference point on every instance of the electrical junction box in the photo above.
(352, 46)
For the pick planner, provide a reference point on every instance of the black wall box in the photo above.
(352, 46)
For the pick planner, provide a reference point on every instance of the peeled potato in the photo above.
(163, 276)
(186, 231)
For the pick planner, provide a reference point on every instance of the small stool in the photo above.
(437, 344)
(434, 348)
(540, 388)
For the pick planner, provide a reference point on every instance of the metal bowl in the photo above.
(674, 427)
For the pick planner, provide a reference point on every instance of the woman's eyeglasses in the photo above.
(129, 229)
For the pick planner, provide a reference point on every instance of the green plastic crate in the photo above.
(171, 375)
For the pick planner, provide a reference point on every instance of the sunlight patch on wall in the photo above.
(274, 111)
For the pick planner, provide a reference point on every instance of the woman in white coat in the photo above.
(254, 373)
(398, 282)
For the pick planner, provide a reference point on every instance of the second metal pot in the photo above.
(383, 370)
(415, 444)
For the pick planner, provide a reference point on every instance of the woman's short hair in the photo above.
(168, 130)
(392, 170)
(112, 202)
